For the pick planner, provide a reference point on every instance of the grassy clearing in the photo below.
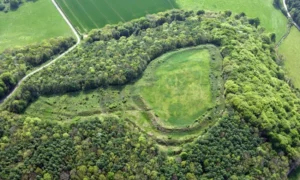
(91, 14)
(290, 49)
(32, 22)
(177, 86)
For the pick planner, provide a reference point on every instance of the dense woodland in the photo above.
(257, 136)
(294, 9)
(17, 62)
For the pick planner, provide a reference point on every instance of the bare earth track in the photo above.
(51, 62)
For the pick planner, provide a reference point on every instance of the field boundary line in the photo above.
(115, 11)
(87, 14)
(103, 15)
(51, 62)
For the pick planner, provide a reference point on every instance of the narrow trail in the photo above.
(51, 62)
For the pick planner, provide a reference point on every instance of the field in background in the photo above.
(89, 14)
(271, 19)
(290, 49)
(31, 23)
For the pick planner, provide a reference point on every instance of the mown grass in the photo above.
(91, 14)
(177, 86)
(290, 49)
(32, 22)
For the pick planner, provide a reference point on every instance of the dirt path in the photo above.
(51, 62)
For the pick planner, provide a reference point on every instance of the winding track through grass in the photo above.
(51, 62)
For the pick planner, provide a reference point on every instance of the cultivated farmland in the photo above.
(91, 14)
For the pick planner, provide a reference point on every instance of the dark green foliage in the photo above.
(2, 7)
(294, 9)
(6, 5)
(255, 22)
(233, 153)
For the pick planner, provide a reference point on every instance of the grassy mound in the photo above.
(177, 86)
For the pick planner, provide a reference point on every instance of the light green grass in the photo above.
(32, 22)
(290, 49)
(177, 86)
(271, 19)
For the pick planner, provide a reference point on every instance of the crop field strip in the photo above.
(91, 14)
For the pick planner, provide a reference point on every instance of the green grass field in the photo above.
(177, 86)
(290, 50)
(31, 23)
(90, 14)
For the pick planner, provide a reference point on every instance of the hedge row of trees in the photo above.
(16, 63)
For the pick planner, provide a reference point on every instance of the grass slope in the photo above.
(32, 22)
(177, 86)
(290, 50)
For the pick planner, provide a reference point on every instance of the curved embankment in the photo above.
(166, 135)
(51, 62)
